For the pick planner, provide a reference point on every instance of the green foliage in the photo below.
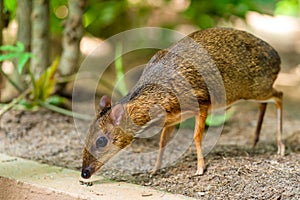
(10, 6)
(206, 13)
(23, 103)
(105, 18)
(104, 12)
(55, 22)
(13, 52)
(120, 71)
(44, 86)
(56, 100)
(41, 90)
(217, 120)
(99, 15)
(288, 7)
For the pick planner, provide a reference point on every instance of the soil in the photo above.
(233, 169)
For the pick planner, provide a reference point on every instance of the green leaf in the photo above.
(288, 7)
(16, 52)
(23, 59)
(26, 104)
(9, 56)
(45, 84)
(9, 48)
(56, 100)
(20, 46)
(11, 5)
(217, 120)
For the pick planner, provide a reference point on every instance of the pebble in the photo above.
(201, 194)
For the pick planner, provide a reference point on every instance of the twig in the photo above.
(65, 112)
(66, 79)
(7, 107)
(10, 80)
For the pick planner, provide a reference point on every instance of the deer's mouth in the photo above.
(88, 171)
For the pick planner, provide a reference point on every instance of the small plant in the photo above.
(40, 90)
(15, 52)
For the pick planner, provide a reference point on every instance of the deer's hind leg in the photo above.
(262, 110)
(277, 96)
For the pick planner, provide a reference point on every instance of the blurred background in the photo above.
(276, 21)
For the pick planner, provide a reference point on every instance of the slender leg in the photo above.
(198, 134)
(262, 110)
(278, 101)
(164, 137)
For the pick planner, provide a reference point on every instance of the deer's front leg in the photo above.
(198, 135)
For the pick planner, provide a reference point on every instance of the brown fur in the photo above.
(184, 79)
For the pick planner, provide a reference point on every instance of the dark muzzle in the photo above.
(86, 173)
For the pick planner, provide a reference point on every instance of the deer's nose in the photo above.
(86, 173)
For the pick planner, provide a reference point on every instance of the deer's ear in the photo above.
(116, 114)
(105, 101)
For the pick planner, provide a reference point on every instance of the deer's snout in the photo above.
(86, 173)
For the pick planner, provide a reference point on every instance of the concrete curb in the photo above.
(25, 179)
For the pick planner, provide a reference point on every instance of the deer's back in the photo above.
(209, 61)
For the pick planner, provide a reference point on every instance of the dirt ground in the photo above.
(233, 169)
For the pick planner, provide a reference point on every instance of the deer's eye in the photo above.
(101, 142)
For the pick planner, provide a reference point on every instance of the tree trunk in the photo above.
(1, 20)
(1, 38)
(40, 36)
(73, 32)
(24, 22)
(24, 34)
